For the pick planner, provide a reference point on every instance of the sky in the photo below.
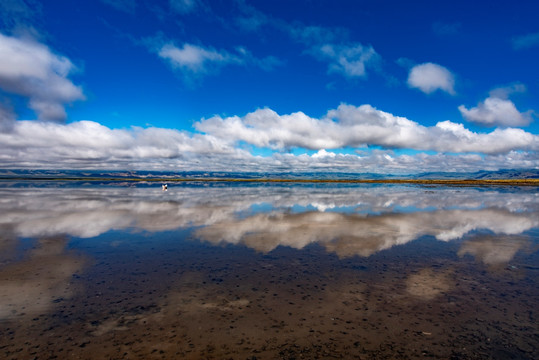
(236, 85)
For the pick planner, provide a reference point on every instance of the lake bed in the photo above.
(242, 271)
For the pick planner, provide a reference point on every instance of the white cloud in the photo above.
(89, 144)
(193, 60)
(504, 92)
(498, 110)
(30, 69)
(429, 77)
(350, 126)
(220, 144)
(328, 44)
(324, 154)
(526, 41)
(350, 60)
(267, 63)
(386, 161)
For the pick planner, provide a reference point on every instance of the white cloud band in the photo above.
(351, 126)
(227, 144)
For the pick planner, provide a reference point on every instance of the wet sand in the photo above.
(161, 296)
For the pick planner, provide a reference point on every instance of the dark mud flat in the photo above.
(262, 273)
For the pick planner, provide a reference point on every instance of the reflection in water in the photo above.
(493, 250)
(343, 271)
(33, 285)
(349, 235)
(371, 218)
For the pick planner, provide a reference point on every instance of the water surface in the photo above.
(268, 271)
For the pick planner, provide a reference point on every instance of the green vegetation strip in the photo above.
(470, 182)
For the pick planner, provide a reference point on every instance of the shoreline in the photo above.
(471, 182)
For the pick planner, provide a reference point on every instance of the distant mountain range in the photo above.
(115, 174)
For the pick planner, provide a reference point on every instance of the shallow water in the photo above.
(268, 271)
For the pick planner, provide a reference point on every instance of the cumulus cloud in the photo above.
(89, 144)
(498, 110)
(429, 77)
(220, 144)
(494, 111)
(351, 126)
(526, 41)
(31, 69)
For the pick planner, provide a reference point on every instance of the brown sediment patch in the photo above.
(427, 284)
(120, 324)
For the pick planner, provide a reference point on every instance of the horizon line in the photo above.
(499, 182)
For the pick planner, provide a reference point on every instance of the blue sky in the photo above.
(377, 86)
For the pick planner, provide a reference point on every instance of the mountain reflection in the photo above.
(346, 220)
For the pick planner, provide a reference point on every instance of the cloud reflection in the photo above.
(30, 287)
(349, 235)
(355, 220)
(492, 250)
